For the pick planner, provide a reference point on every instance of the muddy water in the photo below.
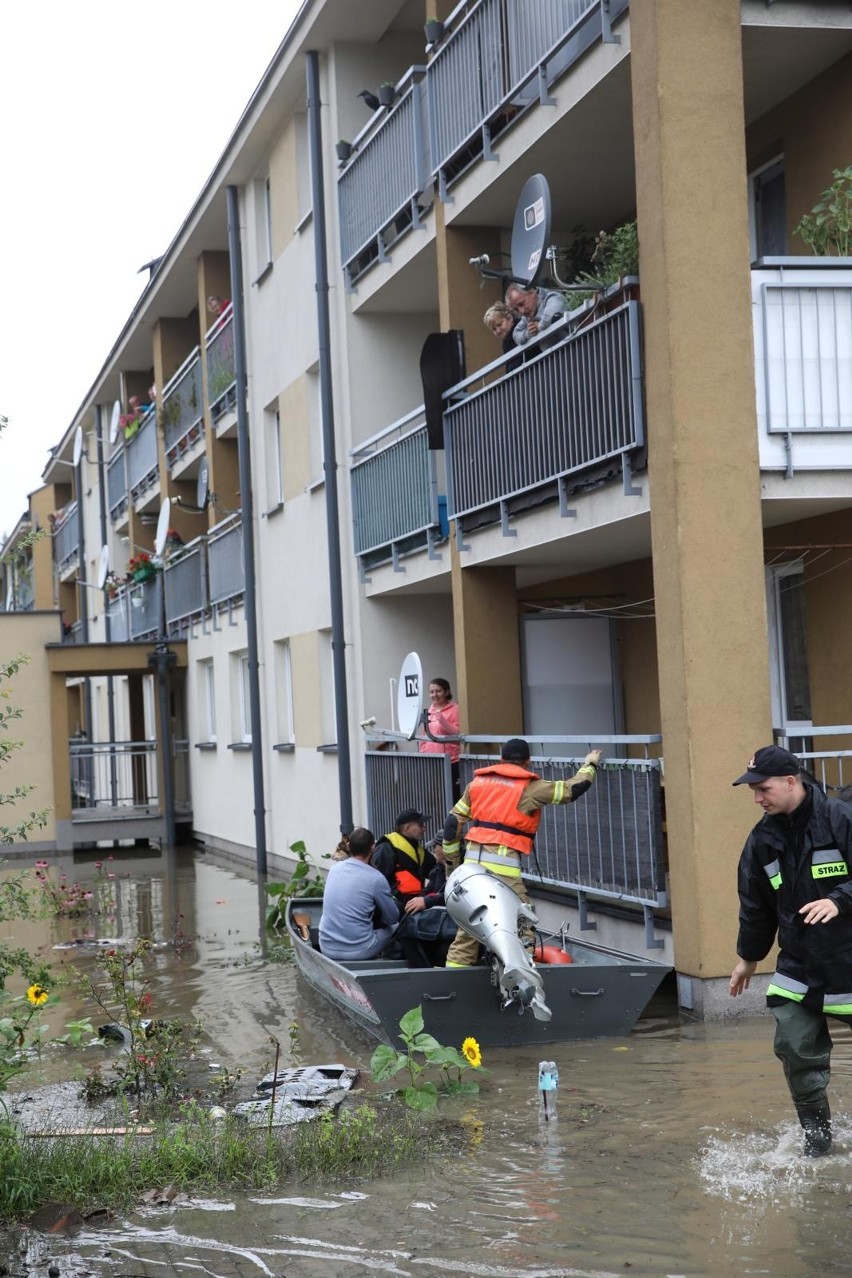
(673, 1151)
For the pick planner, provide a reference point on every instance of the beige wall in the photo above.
(28, 632)
(307, 688)
(462, 302)
(42, 504)
(295, 437)
(686, 71)
(283, 189)
(813, 129)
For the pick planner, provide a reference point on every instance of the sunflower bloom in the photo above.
(471, 1052)
(37, 995)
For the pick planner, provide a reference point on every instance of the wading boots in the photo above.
(816, 1121)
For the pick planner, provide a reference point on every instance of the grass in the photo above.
(196, 1154)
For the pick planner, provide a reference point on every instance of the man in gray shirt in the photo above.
(356, 895)
(538, 309)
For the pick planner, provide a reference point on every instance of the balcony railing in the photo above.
(802, 311)
(181, 411)
(225, 569)
(185, 585)
(66, 539)
(142, 465)
(221, 365)
(395, 490)
(121, 774)
(495, 61)
(379, 188)
(569, 408)
(119, 619)
(117, 485)
(145, 601)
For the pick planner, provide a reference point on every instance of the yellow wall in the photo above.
(283, 189)
(28, 632)
(307, 689)
(295, 437)
(813, 129)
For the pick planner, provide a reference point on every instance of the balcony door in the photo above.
(570, 679)
(788, 653)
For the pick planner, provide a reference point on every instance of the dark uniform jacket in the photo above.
(787, 862)
(406, 866)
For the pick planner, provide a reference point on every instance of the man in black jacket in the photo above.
(794, 879)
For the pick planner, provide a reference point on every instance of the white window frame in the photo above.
(244, 726)
(752, 199)
(284, 692)
(792, 728)
(207, 692)
(328, 705)
(275, 459)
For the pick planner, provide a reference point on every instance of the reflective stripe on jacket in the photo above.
(409, 880)
(494, 812)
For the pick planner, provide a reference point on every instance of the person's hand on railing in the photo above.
(593, 758)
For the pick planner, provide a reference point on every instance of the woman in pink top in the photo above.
(443, 721)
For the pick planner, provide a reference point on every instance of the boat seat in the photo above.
(315, 937)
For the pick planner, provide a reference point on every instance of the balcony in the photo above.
(395, 502)
(802, 309)
(225, 569)
(185, 586)
(143, 475)
(66, 540)
(221, 367)
(495, 62)
(144, 611)
(181, 413)
(117, 486)
(569, 412)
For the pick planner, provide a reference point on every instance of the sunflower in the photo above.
(37, 995)
(471, 1052)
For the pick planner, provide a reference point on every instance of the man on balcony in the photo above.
(538, 309)
(502, 810)
(795, 881)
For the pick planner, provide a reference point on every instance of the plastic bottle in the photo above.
(548, 1084)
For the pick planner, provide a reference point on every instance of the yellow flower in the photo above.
(470, 1050)
(37, 995)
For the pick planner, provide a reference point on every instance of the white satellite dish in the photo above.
(114, 422)
(202, 490)
(163, 521)
(78, 446)
(103, 566)
(409, 695)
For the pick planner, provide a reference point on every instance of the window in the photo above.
(284, 693)
(303, 166)
(263, 224)
(207, 699)
(317, 444)
(241, 699)
(768, 210)
(274, 459)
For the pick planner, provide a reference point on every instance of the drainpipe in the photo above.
(102, 514)
(235, 252)
(338, 639)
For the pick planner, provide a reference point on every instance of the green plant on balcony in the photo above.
(615, 255)
(169, 414)
(220, 379)
(827, 229)
(387, 92)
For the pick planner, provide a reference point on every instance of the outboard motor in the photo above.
(488, 910)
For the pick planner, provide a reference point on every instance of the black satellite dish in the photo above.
(530, 230)
(441, 366)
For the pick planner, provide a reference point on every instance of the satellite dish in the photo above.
(531, 229)
(202, 492)
(409, 695)
(114, 422)
(78, 446)
(103, 566)
(163, 526)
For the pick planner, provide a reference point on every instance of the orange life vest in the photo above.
(409, 881)
(494, 813)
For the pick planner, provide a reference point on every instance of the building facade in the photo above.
(638, 536)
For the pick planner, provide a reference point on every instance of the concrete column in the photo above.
(488, 659)
(61, 728)
(461, 301)
(712, 648)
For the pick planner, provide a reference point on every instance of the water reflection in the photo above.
(674, 1150)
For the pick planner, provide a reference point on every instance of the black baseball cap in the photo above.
(411, 814)
(516, 749)
(769, 761)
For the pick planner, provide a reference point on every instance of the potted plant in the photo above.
(387, 93)
(141, 566)
(827, 229)
(434, 30)
(343, 149)
(129, 421)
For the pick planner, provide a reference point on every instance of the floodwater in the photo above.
(673, 1151)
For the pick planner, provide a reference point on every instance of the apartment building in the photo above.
(637, 537)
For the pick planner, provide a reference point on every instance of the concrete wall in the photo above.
(27, 633)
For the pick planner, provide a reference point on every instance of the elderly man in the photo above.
(794, 880)
(538, 309)
(403, 859)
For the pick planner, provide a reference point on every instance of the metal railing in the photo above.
(185, 585)
(568, 408)
(803, 356)
(396, 781)
(142, 464)
(395, 487)
(66, 538)
(221, 364)
(181, 410)
(117, 485)
(388, 171)
(225, 569)
(832, 768)
(121, 774)
(119, 620)
(145, 603)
